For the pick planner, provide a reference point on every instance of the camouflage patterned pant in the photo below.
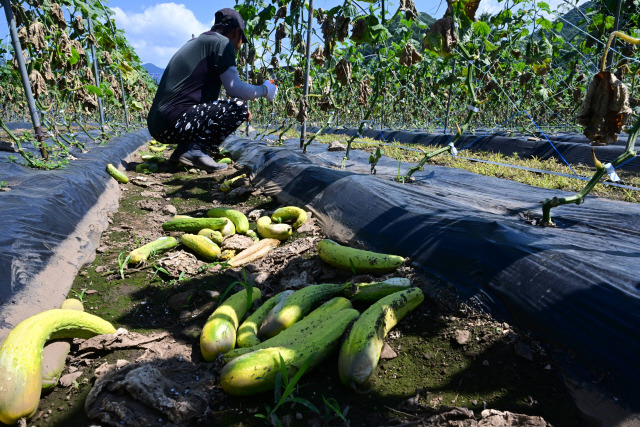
(207, 124)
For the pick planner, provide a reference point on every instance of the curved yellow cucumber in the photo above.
(267, 230)
(290, 213)
(202, 246)
(21, 357)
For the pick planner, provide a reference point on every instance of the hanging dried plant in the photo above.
(359, 30)
(14, 61)
(114, 85)
(252, 55)
(281, 13)
(37, 35)
(409, 9)
(441, 37)
(275, 64)
(299, 45)
(343, 71)
(327, 27)
(490, 86)
(321, 16)
(64, 45)
(298, 77)
(78, 47)
(57, 15)
(46, 70)
(302, 112)
(18, 12)
(318, 57)
(524, 78)
(38, 85)
(78, 24)
(23, 36)
(328, 48)
(106, 58)
(89, 102)
(470, 9)
(342, 28)
(364, 92)
(292, 110)
(295, 5)
(605, 109)
(409, 55)
(325, 103)
(281, 31)
(88, 75)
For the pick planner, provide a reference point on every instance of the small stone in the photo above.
(462, 336)
(170, 210)
(180, 301)
(121, 363)
(237, 242)
(102, 249)
(485, 363)
(193, 171)
(523, 350)
(260, 278)
(337, 146)
(255, 214)
(90, 292)
(387, 352)
(298, 416)
(72, 369)
(184, 315)
(427, 355)
(212, 295)
(67, 380)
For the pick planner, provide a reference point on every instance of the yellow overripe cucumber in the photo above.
(299, 331)
(256, 372)
(296, 307)
(238, 218)
(142, 253)
(248, 331)
(360, 352)
(254, 252)
(214, 235)
(54, 354)
(202, 246)
(370, 292)
(228, 229)
(267, 230)
(21, 357)
(347, 258)
(219, 333)
(290, 213)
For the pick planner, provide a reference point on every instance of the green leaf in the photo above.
(481, 29)
(488, 46)
(542, 5)
(94, 90)
(545, 24)
(75, 56)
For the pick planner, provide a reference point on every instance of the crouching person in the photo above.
(186, 109)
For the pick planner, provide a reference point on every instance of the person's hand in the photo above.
(272, 90)
(250, 116)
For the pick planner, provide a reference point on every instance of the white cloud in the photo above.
(159, 31)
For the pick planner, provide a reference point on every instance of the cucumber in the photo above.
(119, 176)
(193, 225)
(238, 218)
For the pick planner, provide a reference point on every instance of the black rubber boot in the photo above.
(194, 156)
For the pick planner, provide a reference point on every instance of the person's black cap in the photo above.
(232, 17)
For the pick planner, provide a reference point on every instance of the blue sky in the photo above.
(157, 29)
